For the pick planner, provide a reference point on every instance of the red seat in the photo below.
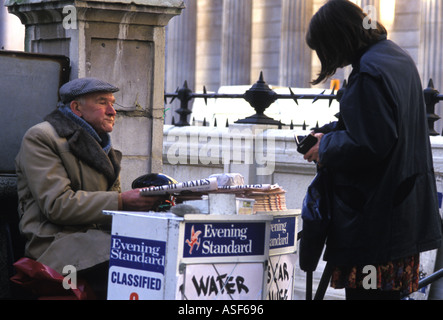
(47, 284)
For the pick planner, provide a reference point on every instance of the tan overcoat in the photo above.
(65, 181)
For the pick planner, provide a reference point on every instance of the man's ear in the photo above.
(75, 108)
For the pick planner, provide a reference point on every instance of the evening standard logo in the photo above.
(194, 240)
(223, 239)
(140, 254)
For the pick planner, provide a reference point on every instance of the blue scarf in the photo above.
(104, 140)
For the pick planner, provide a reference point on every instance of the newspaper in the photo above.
(201, 185)
(268, 197)
(251, 187)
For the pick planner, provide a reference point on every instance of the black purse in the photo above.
(316, 218)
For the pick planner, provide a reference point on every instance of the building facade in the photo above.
(215, 43)
(229, 42)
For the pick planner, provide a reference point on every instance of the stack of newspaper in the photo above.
(268, 197)
(273, 199)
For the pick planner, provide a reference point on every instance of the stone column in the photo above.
(431, 42)
(236, 42)
(364, 3)
(431, 49)
(3, 14)
(122, 42)
(295, 55)
(209, 35)
(180, 53)
(371, 7)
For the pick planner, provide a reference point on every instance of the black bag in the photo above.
(316, 219)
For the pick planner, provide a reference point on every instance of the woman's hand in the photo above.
(312, 154)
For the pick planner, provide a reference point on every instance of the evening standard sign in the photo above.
(224, 239)
(282, 232)
(136, 268)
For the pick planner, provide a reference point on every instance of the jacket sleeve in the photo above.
(50, 186)
(370, 130)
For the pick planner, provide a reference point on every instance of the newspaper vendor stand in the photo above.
(199, 256)
(230, 262)
(282, 255)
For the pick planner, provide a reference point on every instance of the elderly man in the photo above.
(68, 173)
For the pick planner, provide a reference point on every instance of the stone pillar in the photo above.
(295, 55)
(374, 3)
(209, 35)
(431, 49)
(431, 42)
(236, 42)
(180, 54)
(122, 42)
(3, 13)
(372, 8)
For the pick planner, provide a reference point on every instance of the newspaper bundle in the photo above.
(268, 197)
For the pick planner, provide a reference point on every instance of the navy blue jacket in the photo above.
(384, 198)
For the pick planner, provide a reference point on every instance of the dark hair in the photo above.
(338, 32)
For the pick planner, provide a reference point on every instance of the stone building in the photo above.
(228, 42)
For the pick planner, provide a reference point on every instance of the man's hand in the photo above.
(312, 154)
(133, 201)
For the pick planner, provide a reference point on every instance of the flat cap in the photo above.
(78, 87)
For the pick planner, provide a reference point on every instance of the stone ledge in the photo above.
(157, 3)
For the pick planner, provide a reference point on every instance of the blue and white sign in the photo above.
(217, 239)
(141, 254)
(136, 268)
(282, 232)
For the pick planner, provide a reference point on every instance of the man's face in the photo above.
(97, 110)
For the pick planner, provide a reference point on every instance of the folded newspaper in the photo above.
(201, 185)
(250, 187)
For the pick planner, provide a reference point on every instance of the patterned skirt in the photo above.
(401, 274)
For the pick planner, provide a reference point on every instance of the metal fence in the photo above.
(260, 96)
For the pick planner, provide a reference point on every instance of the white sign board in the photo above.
(280, 277)
(241, 281)
(136, 269)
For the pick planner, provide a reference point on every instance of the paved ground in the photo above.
(300, 285)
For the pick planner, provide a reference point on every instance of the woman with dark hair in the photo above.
(340, 40)
(383, 199)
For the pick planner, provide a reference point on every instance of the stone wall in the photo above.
(196, 152)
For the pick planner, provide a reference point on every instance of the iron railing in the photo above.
(260, 96)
